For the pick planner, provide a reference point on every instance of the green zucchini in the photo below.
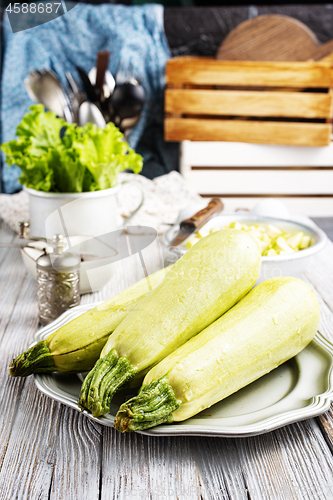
(209, 279)
(273, 323)
(76, 346)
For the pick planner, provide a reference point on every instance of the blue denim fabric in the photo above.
(133, 35)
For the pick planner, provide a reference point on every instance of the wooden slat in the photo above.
(241, 154)
(208, 71)
(300, 134)
(256, 182)
(322, 206)
(247, 103)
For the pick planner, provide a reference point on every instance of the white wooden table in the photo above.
(49, 451)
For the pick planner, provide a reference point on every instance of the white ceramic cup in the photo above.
(91, 213)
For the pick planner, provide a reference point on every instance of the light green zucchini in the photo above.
(76, 346)
(273, 323)
(209, 279)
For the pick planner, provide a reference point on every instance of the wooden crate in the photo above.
(242, 174)
(284, 103)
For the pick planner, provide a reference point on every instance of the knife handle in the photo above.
(215, 205)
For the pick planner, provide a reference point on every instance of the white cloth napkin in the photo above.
(164, 197)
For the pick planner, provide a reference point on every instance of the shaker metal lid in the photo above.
(65, 262)
(44, 261)
(59, 260)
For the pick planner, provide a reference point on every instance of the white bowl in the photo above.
(95, 271)
(280, 265)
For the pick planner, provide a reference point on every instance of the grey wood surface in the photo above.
(49, 451)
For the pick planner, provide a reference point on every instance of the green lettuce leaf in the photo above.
(56, 156)
(105, 154)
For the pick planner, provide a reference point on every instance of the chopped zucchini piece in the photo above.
(273, 231)
(305, 242)
(237, 225)
(282, 246)
(271, 252)
(295, 240)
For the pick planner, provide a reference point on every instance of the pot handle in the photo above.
(130, 217)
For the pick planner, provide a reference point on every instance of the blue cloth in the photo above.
(133, 35)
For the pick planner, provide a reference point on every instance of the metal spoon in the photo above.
(77, 97)
(89, 113)
(127, 124)
(128, 96)
(44, 87)
(109, 83)
(87, 85)
(128, 100)
(103, 82)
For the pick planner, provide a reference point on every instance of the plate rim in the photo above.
(318, 404)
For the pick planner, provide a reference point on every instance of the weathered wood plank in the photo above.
(219, 467)
(247, 103)
(6, 236)
(258, 132)
(136, 466)
(18, 319)
(12, 276)
(27, 468)
(292, 462)
(14, 339)
(320, 273)
(172, 468)
(77, 458)
(272, 466)
(326, 328)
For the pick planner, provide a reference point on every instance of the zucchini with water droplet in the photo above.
(273, 323)
(201, 286)
(76, 346)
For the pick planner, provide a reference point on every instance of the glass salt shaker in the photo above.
(58, 281)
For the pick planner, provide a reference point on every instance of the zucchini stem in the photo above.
(154, 405)
(103, 381)
(37, 359)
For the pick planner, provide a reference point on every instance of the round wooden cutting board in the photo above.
(272, 38)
